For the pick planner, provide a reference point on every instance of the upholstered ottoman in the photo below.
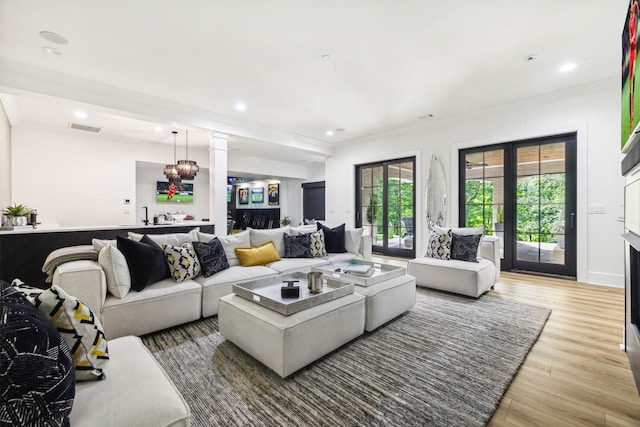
(460, 277)
(387, 300)
(288, 343)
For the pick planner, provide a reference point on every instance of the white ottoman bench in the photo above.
(288, 343)
(387, 300)
(460, 277)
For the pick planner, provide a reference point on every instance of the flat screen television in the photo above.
(167, 192)
(630, 132)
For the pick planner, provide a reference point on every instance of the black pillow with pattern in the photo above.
(465, 248)
(37, 372)
(211, 256)
(297, 245)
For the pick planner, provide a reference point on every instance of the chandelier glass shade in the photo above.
(171, 171)
(187, 168)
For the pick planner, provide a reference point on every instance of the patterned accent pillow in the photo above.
(211, 256)
(465, 248)
(440, 245)
(297, 246)
(37, 378)
(77, 324)
(182, 260)
(316, 243)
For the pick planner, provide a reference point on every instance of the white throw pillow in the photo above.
(275, 235)
(229, 243)
(98, 244)
(304, 229)
(461, 231)
(116, 271)
(353, 240)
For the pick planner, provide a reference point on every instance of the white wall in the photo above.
(5, 159)
(146, 177)
(76, 178)
(593, 111)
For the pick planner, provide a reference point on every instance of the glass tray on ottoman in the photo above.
(266, 292)
(356, 271)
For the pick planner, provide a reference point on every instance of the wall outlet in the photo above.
(596, 209)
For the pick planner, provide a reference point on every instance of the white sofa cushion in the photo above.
(353, 240)
(288, 265)
(229, 243)
(137, 393)
(173, 239)
(460, 277)
(304, 229)
(275, 235)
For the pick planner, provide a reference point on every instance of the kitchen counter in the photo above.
(23, 251)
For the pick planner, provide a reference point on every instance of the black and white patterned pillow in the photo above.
(182, 260)
(297, 246)
(77, 324)
(465, 248)
(316, 243)
(440, 245)
(211, 256)
(36, 373)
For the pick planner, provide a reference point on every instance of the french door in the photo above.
(525, 193)
(385, 205)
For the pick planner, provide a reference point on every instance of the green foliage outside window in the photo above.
(400, 205)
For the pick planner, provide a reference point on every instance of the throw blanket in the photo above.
(62, 255)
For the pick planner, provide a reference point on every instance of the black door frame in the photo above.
(509, 261)
(385, 249)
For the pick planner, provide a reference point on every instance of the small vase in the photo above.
(18, 220)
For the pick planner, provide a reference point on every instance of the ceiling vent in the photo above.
(84, 127)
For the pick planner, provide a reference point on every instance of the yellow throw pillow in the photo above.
(260, 255)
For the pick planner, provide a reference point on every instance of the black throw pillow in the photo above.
(297, 246)
(465, 248)
(146, 261)
(37, 371)
(333, 238)
(211, 256)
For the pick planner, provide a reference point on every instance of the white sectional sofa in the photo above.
(166, 303)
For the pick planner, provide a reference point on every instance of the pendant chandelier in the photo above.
(171, 171)
(187, 168)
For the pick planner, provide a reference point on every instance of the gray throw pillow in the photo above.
(297, 246)
(465, 248)
(211, 256)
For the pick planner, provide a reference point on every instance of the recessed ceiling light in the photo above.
(53, 37)
(326, 57)
(80, 114)
(52, 50)
(240, 106)
(329, 133)
(158, 129)
(529, 58)
(569, 66)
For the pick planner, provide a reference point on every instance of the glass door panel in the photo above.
(386, 205)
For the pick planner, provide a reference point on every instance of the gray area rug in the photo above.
(446, 362)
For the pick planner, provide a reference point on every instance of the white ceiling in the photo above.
(390, 62)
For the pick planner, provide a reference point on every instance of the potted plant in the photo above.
(371, 219)
(286, 220)
(17, 214)
(499, 224)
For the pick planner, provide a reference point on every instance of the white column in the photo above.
(218, 181)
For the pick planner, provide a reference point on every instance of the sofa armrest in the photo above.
(490, 249)
(85, 280)
(365, 247)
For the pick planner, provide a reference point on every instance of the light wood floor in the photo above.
(575, 374)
